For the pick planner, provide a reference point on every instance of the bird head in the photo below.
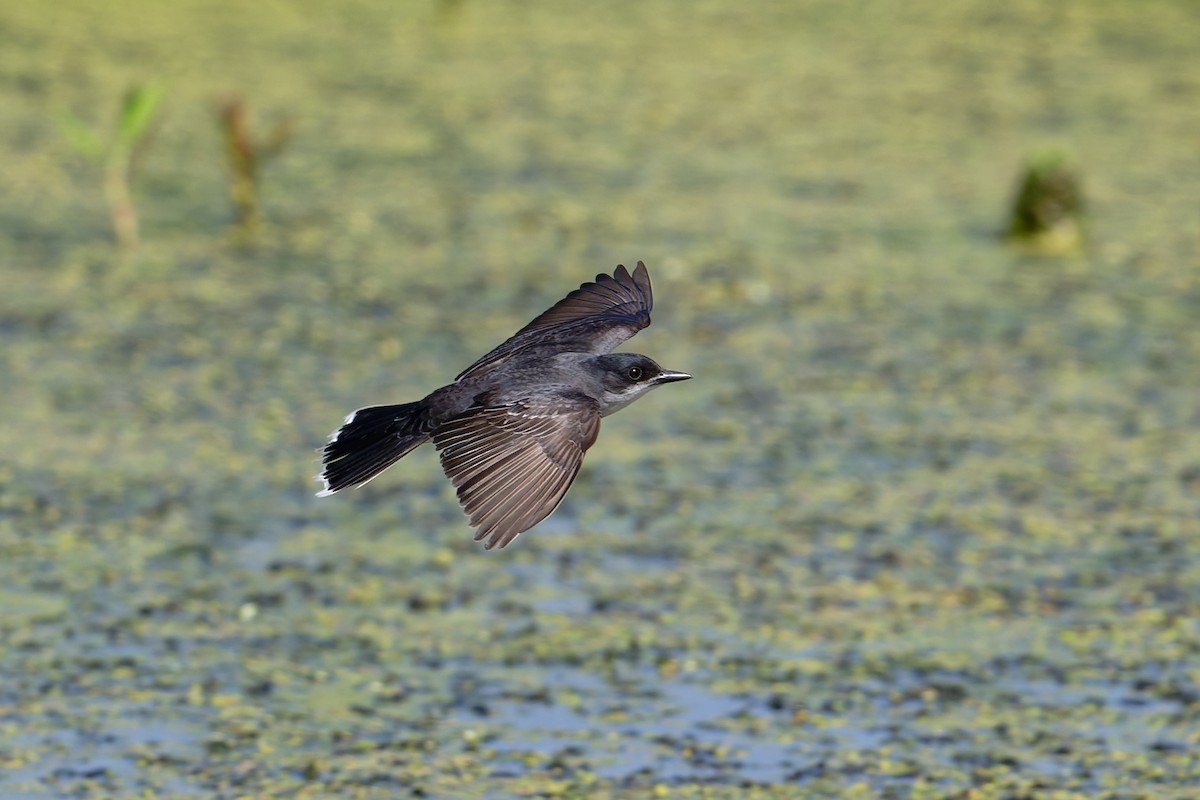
(624, 377)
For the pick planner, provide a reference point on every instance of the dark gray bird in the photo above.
(512, 429)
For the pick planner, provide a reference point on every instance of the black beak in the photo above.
(670, 377)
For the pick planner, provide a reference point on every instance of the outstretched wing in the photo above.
(594, 318)
(512, 464)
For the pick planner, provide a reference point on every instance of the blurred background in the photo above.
(922, 526)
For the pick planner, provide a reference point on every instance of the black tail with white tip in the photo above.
(369, 441)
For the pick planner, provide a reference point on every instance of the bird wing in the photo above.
(512, 464)
(594, 318)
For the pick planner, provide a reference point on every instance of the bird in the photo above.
(512, 429)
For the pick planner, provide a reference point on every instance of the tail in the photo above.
(369, 441)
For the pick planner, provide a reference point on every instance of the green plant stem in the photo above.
(120, 200)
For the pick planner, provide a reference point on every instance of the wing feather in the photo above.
(513, 464)
(594, 318)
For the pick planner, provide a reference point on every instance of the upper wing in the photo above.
(513, 464)
(594, 318)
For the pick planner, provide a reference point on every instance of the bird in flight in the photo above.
(512, 429)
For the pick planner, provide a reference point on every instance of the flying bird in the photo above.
(512, 429)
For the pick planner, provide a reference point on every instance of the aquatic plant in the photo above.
(120, 153)
(1047, 209)
(246, 157)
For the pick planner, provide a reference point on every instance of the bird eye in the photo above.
(634, 373)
